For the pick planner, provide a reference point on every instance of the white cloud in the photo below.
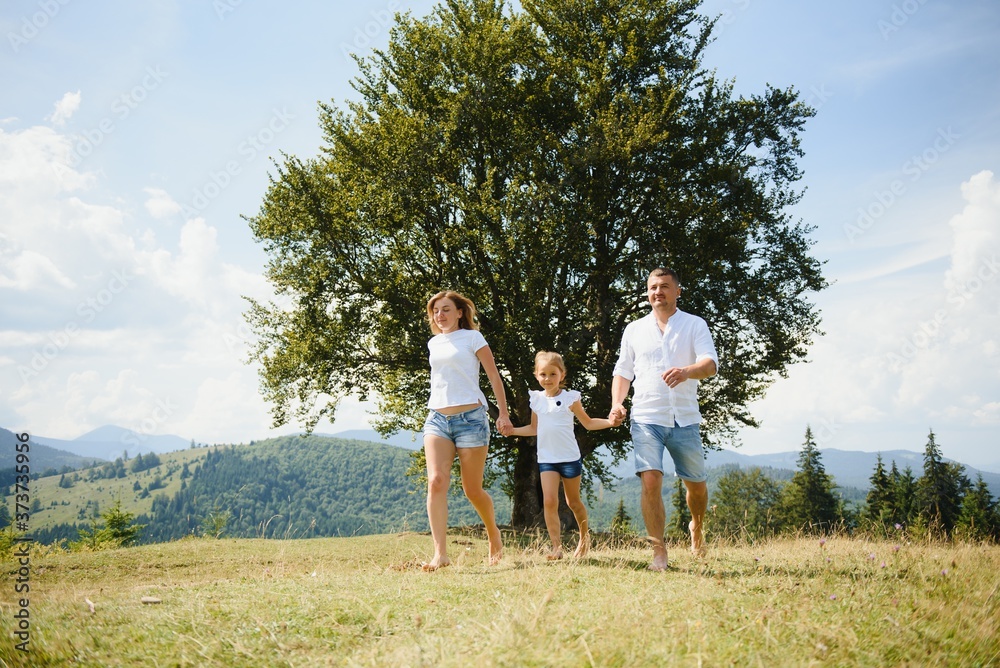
(912, 347)
(160, 204)
(29, 270)
(65, 108)
(975, 254)
(988, 413)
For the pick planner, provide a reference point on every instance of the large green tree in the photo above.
(746, 505)
(540, 160)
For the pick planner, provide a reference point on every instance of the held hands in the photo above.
(504, 425)
(617, 415)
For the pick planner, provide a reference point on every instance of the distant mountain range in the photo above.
(41, 457)
(110, 442)
(848, 467)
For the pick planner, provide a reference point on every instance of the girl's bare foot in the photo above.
(435, 563)
(582, 548)
(555, 554)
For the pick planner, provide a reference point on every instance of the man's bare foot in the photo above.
(659, 555)
(435, 563)
(496, 548)
(582, 548)
(697, 541)
(555, 554)
(659, 561)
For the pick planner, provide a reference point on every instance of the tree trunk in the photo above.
(526, 506)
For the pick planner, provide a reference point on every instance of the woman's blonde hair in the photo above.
(546, 357)
(462, 303)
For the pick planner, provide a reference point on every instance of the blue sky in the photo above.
(133, 136)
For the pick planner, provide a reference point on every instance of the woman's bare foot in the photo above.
(496, 547)
(435, 563)
(697, 540)
(582, 548)
(555, 554)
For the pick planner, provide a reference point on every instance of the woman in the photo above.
(457, 422)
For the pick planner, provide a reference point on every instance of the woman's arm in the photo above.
(485, 356)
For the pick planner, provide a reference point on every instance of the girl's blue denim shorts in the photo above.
(564, 469)
(470, 429)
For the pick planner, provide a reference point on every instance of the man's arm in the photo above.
(619, 390)
(697, 371)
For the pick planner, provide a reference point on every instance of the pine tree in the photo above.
(621, 523)
(808, 502)
(979, 518)
(119, 525)
(904, 495)
(119, 530)
(940, 490)
(878, 507)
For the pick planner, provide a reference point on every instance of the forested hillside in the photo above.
(300, 487)
(285, 487)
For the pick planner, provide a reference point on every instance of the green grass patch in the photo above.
(364, 601)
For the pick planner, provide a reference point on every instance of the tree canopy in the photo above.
(540, 160)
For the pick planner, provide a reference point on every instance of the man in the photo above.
(663, 356)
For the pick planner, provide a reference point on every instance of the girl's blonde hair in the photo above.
(462, 303)
(546, 357)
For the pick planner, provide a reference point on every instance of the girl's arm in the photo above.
(591, 423)
(530, 429)
(485, 356)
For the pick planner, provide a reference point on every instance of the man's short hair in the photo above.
(665, 271)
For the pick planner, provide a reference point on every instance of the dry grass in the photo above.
(365, 602)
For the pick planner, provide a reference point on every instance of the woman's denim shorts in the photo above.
(470, 429)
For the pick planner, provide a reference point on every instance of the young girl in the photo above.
(457, 423)
(552, 412)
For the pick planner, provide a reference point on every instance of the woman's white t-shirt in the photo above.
(556, 442)
(455, 368)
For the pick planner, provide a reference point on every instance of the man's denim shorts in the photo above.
(683, 443)
(470, 429)
(564, 469)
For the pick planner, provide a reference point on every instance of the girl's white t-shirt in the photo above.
(455, 368)
(556, 442)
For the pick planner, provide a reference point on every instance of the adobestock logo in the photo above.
(58, 341)
(914, 168)
(930, 330)
(363, 35)
(160, 414)
(248, 149)
(900, 16)
(33, 25)
(85, 142)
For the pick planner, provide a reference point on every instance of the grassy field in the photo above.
(365, 602)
